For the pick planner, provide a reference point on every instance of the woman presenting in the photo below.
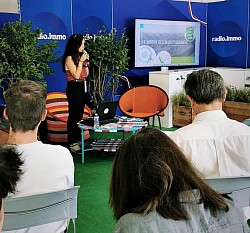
(75, 65)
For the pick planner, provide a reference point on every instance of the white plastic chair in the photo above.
(238, 188)
(35, 210)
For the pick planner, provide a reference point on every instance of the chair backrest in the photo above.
(35, 210)
(143, 101)
(237, 188)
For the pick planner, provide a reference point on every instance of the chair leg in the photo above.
(153, 120)
(159, 121)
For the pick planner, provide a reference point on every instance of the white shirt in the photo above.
(217, 145)
(47, 168)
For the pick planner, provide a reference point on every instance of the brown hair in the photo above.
(25, 104)
(205, 86)
(150, 172)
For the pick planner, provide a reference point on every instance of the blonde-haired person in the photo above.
(10, 173)
(154, 188)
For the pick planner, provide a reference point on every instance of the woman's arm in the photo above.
(73, 69)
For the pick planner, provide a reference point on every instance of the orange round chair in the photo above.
(57, 116)
(144, 102)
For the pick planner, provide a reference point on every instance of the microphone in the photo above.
(86, 62)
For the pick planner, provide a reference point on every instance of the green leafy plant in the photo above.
(108, 60)
(180, 99)
(22, 56)
(238, 94)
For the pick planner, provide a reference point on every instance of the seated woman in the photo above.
(154, 188)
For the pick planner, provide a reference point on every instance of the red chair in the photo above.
(144, 102)
(57, 116)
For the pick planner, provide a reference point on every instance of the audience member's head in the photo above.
(10, 173)
(150, 173)
(25, 105)
(205, 86)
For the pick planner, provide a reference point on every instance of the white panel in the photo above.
(9, 6)
(232, 76)
(171, 82)
(247, 78)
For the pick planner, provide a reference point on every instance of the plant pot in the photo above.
(237, 110)
(182, 115)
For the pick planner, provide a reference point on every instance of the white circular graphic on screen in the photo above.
(106, 110)
(147, 54)
(164, 57)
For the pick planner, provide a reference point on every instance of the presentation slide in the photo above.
(166, 43)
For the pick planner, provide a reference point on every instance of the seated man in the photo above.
(217, 145)
(46, 167)
(10, 173)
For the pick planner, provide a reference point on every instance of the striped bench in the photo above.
(57, 116)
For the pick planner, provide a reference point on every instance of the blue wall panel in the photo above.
(227, 33)
(62, 18)
(57, 17)
(8, 17)
(89, 16)
(54, 18)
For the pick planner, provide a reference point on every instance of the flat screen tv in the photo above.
(163, 43)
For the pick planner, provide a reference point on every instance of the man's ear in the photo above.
(225, 95)
(190, 100)
(44, 115)
(5, 114)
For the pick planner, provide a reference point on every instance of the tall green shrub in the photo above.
(108, 59)
(22, 56)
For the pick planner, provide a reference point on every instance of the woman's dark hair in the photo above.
(72, 46)
(150, 173)
(10, 169)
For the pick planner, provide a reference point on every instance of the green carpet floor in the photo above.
(94, 213)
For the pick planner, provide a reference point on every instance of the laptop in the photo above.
(106, 112)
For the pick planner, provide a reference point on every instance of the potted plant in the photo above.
(22, 56)
(182, 111)
(237, 104)
(108, 60)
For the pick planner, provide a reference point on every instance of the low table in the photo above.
(124, 125)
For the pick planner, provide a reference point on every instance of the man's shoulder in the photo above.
(54, 147)
(183, 131)
(56, 150)
(43, 149)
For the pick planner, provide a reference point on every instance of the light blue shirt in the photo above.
(201, 220)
